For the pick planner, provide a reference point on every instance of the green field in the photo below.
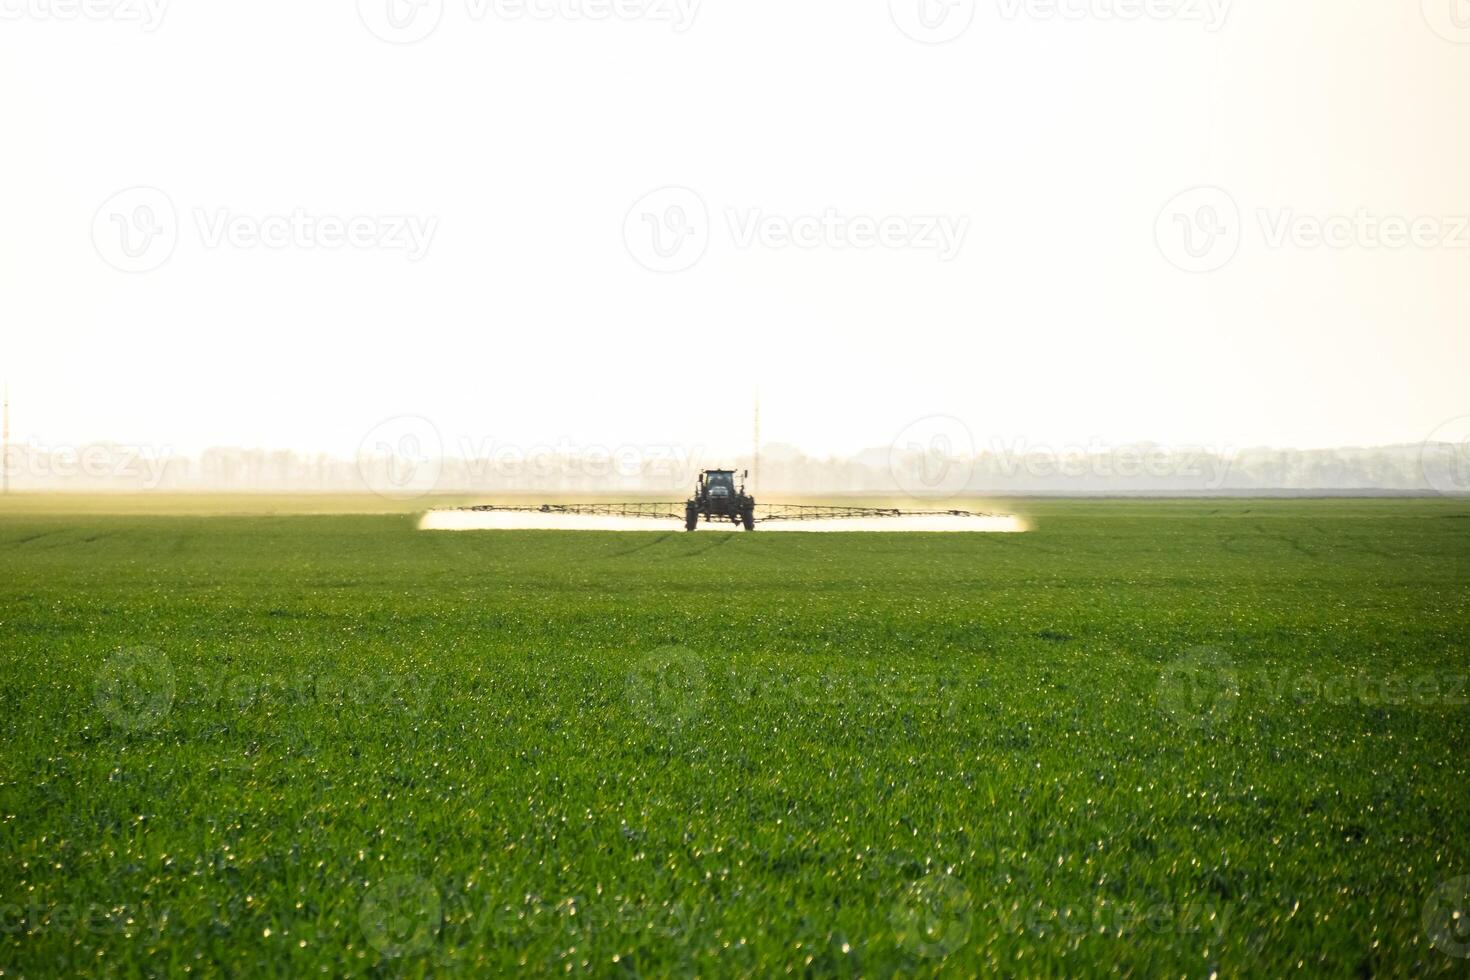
(1148, 738)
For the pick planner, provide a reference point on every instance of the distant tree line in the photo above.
(783, 470)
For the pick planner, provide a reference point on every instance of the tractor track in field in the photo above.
(1353, 544)
(1286, 539)
(642, 547)
(32, 537)
(58, 540)
(719, 541)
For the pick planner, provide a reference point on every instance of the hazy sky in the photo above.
(870, 227)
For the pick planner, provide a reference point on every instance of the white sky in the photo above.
(529, 319)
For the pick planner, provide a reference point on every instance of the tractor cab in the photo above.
(720, 483)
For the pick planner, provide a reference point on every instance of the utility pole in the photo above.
(755, 460)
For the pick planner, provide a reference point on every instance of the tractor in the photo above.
(717, 497)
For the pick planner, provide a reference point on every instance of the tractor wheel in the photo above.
(691, 518)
